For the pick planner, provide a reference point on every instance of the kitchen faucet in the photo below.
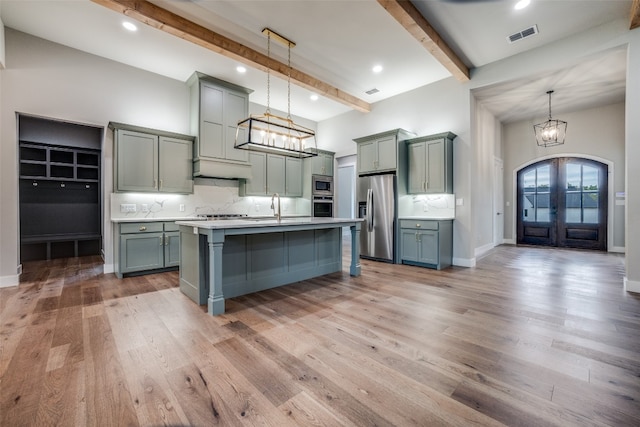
(276, 214)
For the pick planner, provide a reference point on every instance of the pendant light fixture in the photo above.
(551, 132)
(269, 133)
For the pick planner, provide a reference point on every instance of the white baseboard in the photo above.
(631, 285)
(108, 268)
(618, 249)
(8, 281)
(464, 262)
(508, 242)
(483, 250)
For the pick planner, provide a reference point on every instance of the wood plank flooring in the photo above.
(529, 337)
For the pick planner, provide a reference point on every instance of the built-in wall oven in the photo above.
(322, 206)
(322, 196)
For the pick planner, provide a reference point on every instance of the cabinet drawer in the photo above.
(171, 226)
(421, 224)
(141, 227)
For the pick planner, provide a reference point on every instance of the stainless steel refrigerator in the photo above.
(377, 205)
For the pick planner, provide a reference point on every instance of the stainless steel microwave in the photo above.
(322, 185)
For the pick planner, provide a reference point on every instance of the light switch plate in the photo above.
(459, 202)
(144, 207)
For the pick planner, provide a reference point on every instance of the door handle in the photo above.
(369, 209)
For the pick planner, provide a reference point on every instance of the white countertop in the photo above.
(156, 219)
(424, 218)
(266, 222)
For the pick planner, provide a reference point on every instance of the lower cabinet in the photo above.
(146, 246)
(426, 243)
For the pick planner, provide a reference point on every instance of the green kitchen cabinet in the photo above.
(426, 243)
(273, 173)
(379, 152)
(293, 177)
(430, 164)
(151, 161)
(216, 108)
(322, 164)
(146, 246)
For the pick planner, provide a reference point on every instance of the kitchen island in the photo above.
(229, 258)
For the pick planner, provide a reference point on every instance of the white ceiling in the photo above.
(339, 41)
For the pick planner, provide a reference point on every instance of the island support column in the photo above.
(215, 240)
(355, 249)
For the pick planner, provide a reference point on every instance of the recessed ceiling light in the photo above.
(241, 69)
(377, 68)
(314, 97)
(129, 26)
(521, 4)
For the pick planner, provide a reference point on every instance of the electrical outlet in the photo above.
(425, 207)
(127, 207)
(181, 208)
(144, 207)
(459, 202)
(257, 207)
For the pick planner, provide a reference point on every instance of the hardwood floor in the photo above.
(529, 337)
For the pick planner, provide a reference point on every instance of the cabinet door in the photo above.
(409, 244)
(435, 161)
(236, 109)
(317, 164)
(141, 252)
(428, 247)
(275, 174)
(367, 156)
(171, 248)
(416, 160)
(327, 160)
(211, 142)
(176, 165)
(257, 185)
(137, 161)
(293, 177)
(386, 153)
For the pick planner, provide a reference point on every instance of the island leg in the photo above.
(355, 249)
(215, 239)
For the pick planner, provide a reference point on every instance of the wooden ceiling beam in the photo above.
(169, 22)
(412, 20)
(634, 21)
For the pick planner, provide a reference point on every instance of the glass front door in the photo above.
(563, 202)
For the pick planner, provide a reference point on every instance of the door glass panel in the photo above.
(528, 213)
(573, 208)
(590, 205)
(544, 178)
(542, 208)
(589, 178)
(529, 181)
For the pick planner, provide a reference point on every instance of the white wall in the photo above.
(632, 138)
(596, 133)
(50, 80)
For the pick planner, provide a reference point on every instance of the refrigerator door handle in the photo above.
(369, 209)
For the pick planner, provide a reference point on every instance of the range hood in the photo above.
(227, 169)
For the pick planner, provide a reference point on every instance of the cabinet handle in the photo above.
(155, 184)
(160, 184)
(418, 225)
(143, 228)
(426, 185)
(161, 240)
(417, 237)
(166, 240)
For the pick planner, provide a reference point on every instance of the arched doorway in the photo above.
(563, 202)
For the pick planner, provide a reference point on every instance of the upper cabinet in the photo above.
(430, 164)
(149, 160)
(322, 164)
(379, 152)
(273, 173)
(216, 109)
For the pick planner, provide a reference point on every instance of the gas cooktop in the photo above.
(221, 216)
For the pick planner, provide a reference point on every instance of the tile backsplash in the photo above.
(427, 206)
(210, 196)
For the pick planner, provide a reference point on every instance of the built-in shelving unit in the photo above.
(60, 214)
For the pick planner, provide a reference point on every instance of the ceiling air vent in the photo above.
(372, 91)
(527, 32)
